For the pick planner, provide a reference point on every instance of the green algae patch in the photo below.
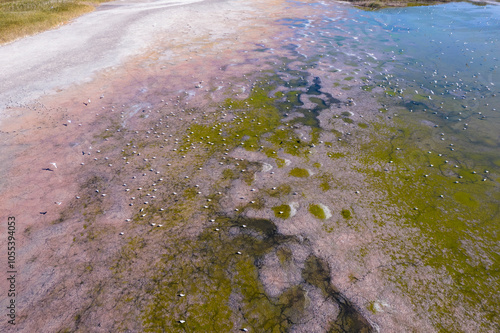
(228, 174)
(466, 199)
(317, 211)
(300, 173)
(317, 273)
(334, 156)
(391, 93)
(282, 211)
(190, 193)
(325, 186)
(454, 238)
(280, 162)
(346, 213)
(320, 103)
(285, 256)
(294, 301)
(363, 125)
(281, 190)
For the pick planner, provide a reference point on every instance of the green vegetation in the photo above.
(282, 211)
(454, 211)
(19, 18)
(346, 213)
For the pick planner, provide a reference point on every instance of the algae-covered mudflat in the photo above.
(20, 18)
(316, 168)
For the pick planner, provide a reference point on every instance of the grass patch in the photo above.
(19, 18)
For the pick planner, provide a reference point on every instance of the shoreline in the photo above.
(67, 59)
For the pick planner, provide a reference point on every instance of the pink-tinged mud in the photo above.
(211, 183)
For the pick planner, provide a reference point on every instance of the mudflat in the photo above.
(196, 166)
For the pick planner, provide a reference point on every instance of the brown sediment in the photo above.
(377, 4)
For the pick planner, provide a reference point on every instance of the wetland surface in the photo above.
(321, 169)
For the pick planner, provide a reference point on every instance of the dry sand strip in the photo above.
(71, 54)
